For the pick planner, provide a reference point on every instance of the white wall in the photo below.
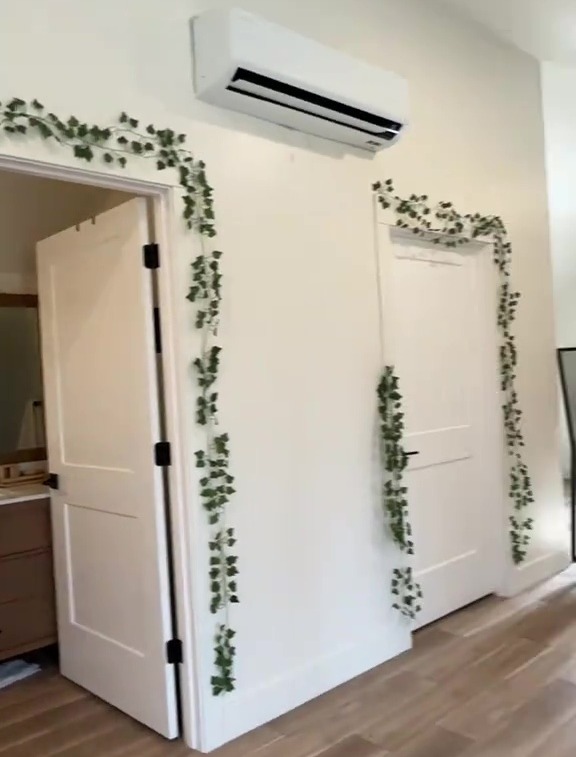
(18, 283)
(558, 86)
(300, 325)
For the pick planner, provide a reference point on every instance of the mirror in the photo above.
(21, 396)
(567, 364)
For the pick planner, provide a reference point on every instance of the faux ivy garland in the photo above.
(443, 224)
(114, 145)
(405, 589)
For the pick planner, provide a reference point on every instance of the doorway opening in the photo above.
(86, 563)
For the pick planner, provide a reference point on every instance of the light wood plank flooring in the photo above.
(497, 679)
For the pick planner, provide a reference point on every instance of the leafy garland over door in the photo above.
(115, 145)
(442, 224)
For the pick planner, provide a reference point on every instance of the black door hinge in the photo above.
(174, 652)
(157, 332)
(151, 255)
(52, 481)
(162, 454)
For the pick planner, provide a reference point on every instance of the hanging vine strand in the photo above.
(405, 589)
(442, 224)
(114, 146)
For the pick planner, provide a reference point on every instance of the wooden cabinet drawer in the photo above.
(27, 621)
(26, 576)
(25, 526)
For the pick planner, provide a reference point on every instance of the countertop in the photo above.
(23, 493)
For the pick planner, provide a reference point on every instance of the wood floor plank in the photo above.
(531, 724)
(456, 685)
(461, 653)
(148, 746)
(308, 744)
(560, 743)
(251, 743)
(353, 746)
(67, 736)
(32, 713)
(43, 684)
(489, 668)
(352, 718)
(107, 732)
(339, 718)
(492, 610)
(394, 729)
(437, 742)
(158, 748)
(497, 702)
(497, 680)
(477, 617)
(24, 731)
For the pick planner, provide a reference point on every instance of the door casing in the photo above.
(184, 524)
(492, 433)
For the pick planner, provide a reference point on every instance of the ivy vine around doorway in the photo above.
(114, 146)
(443, 225)
(406, 591)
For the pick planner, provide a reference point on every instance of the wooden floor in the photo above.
(495, 680)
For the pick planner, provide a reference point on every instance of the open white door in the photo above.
(440, 334)
(103, 420)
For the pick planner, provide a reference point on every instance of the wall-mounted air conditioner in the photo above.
(247, 64)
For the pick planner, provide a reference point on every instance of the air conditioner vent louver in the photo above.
(270, 90)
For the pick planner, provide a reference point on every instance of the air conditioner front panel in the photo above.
(255, 67)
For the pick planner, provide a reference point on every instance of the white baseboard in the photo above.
(533, 572)
(248, 710)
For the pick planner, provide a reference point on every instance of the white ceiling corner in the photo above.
(543, 28)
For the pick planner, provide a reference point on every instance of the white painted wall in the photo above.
(558, 84)
(300, 325)
(543, 28)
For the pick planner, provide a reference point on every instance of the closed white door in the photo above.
(439, 332)
(110, 543)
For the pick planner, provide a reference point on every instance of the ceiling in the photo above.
(543, 28)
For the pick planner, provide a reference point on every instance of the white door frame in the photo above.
(183, 524)
(492, 431)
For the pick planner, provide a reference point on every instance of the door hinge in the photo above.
(162, 454)
(151, 255)
(52, 481)
(157, 332)
(174, 651)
